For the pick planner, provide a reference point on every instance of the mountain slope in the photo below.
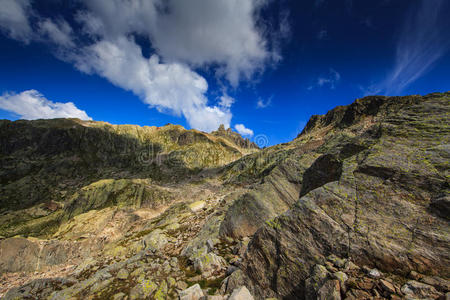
(356, 206)
(48, 163)
(377, 195)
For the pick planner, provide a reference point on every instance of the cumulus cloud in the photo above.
(422, 41)
(195, 32)
(169, 87)
(32, 105)
(184, 36)
(14, 16)
(242, 130)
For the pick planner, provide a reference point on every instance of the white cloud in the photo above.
(423, 40)
(32, 105)
(59, 33)
(220, 35)
(226, 101)
(14, 19)
(170, 87)
(244, 131)
(195, 32)
(263, 104)
(330, 80)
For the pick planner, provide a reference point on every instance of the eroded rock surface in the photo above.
(376, 211)
(356, 207)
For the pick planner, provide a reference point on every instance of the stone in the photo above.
(441, 206)
(207, 263)
(166, 267)
(37, 289)
(138, 272)
(387, 286)
(143, 289)
(414, 275)
(172, 227)
(171, 281)
(350, 266)
(341, 277)
(418, 289)
(216, 297)
(84, 266)
(192, 293)
(181, 285)
(161, 292)
(197, 206)
(337, 262)
(174, 262)
(241, 293)
(331, 290)
(373, 273)
(231, 269)
(155, 240)
(210, 245)
(318, 277)
(123, 274)
(439, 283)
(366, 283)
(100, 285)
(119, 296)
(330, 266)
(356, 294)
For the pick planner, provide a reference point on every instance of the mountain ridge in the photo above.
(355, 207)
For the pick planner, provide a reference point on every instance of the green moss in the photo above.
(274, 224)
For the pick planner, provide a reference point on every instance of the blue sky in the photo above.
(261, 67)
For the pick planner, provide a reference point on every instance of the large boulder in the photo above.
(192, 293)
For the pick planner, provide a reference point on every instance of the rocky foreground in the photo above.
(356, 207)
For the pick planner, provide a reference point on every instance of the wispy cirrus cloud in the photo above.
(422, 40)
(261, 103)
(330, 80)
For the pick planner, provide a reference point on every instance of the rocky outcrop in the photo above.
(372, 206)
(234, 137)
(19, 254)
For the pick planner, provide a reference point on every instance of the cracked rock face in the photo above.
(377, 211)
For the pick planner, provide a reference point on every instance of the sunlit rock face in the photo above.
(355, 207)
(371, 197)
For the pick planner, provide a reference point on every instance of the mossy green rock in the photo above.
(391, 166)
(87, 165)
